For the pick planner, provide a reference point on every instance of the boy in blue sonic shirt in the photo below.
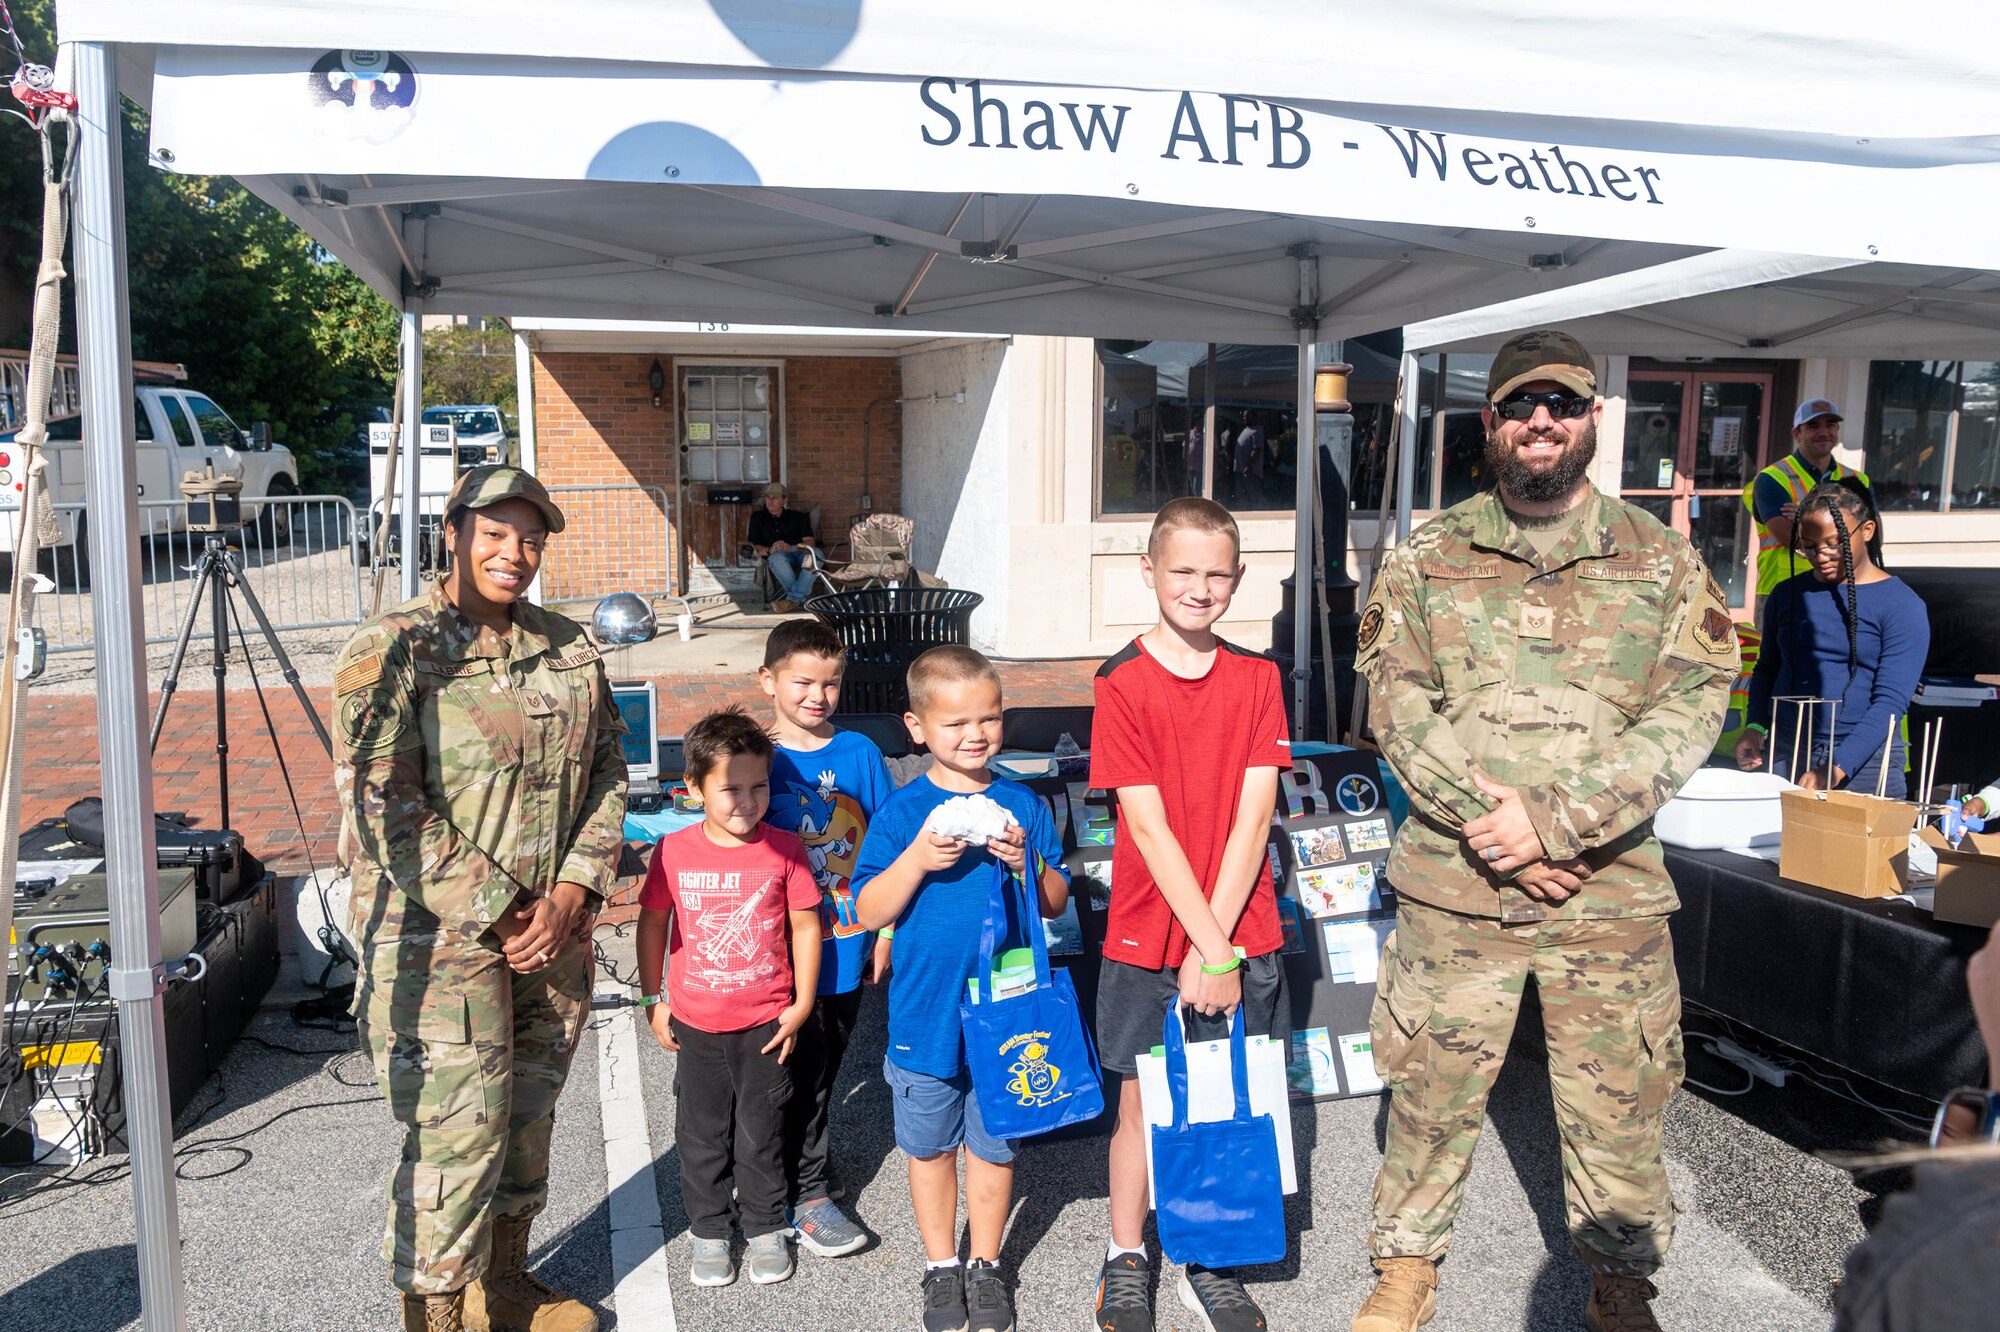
(934, 891)
(826, 784)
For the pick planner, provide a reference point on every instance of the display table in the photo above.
(1876, 987)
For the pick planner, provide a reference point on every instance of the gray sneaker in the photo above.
(711, 1265)
(826, 1230)
(770, 1258)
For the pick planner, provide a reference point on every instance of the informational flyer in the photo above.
(1339, 890)
(1311, 1070)
(1357, 1064)
(1354, 949)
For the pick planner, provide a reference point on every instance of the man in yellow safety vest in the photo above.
(1773, 496)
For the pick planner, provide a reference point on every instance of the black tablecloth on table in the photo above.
(1876, 987)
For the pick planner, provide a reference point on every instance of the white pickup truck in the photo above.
(178, 431)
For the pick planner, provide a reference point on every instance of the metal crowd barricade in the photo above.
(299, 554)
(309, 558)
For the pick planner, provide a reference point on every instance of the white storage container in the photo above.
(1723, 809)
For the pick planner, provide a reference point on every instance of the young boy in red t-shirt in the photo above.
(1190, 734)
(726, 894)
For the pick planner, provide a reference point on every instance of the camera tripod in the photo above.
(216, 573)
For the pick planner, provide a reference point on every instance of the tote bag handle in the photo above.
(994, 928)
(1175, 1039)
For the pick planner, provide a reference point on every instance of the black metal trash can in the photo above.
(884, 629)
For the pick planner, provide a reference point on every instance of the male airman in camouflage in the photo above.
(1547, 665)
(483, 785)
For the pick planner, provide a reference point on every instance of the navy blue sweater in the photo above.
(1804, 653)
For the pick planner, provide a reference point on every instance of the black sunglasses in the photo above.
(1562, 406)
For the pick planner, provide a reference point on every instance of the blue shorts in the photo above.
(935, 1115)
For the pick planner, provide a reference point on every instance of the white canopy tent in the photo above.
(1731, 303)
(1268, 174)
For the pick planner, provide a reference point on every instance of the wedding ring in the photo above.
(543, 957)
(1491, 853)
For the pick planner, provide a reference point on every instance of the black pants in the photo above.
(729, 1121)
(815, 1065)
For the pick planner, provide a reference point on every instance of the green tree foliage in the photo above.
(265, 320)
(471, 365)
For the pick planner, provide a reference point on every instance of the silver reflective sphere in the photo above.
(624, 618)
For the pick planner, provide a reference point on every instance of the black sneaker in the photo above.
(1125, 1295)
(944, 1299)
(1220, 1301)
(987, 1302)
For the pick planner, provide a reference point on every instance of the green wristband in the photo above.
(886, 932)
(648, 1000)
(1234, 962)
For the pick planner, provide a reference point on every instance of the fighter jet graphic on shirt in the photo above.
(734, 938)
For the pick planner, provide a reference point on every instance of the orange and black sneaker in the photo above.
(1125, 1294)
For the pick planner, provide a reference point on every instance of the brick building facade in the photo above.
(838, 440)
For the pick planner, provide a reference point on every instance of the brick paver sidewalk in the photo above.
(63, 760)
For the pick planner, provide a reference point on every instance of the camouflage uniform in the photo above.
(1593, 681)
(475, 774)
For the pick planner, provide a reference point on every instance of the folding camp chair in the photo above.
(879, 554)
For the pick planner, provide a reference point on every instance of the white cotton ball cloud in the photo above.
(970, 818)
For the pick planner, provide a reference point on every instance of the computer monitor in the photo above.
(638, 703)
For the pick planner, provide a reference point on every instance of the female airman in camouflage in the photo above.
(483, 790)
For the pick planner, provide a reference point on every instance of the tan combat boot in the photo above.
(1404, 1298)
(434, 1313)
(511, 1299)
(1620, 1304)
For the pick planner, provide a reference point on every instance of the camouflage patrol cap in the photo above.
(484, 486)
(1546, 353)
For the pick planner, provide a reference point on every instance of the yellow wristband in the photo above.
(1235, 961)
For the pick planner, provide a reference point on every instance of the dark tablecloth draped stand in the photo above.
(1876, 987)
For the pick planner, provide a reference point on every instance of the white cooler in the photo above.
(1723, 809)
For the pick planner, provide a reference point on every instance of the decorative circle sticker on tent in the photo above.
(1357, 794)
(364, 95)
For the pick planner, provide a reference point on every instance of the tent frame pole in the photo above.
(524, 413)
(136, 976)
(412, 351)
(1406, 447)
(1305, 452)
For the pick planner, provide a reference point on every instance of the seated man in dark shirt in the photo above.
(784, 537)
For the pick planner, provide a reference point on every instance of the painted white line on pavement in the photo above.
(641, 1288)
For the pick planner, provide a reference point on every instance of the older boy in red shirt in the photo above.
(1190, 734)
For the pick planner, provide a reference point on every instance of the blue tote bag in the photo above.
(1218, 1196)
(1033, 1067)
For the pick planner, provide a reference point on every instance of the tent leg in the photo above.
(1305, 574)
(413, 443)
(104, 362)
(1406, 444)
(524, 400)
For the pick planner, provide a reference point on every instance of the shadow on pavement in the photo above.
(93, 1291)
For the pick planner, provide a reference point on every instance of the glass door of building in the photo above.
(1692, 441)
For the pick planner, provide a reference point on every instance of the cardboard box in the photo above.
(1847, 842)
(1968, 878)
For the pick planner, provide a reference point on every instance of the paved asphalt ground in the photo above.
(282, 1161)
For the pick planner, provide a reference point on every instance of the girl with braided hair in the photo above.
(1845, 630)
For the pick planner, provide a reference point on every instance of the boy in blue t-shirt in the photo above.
(826, 784)
(934, 891)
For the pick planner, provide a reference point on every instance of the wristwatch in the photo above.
(1982, 1107)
